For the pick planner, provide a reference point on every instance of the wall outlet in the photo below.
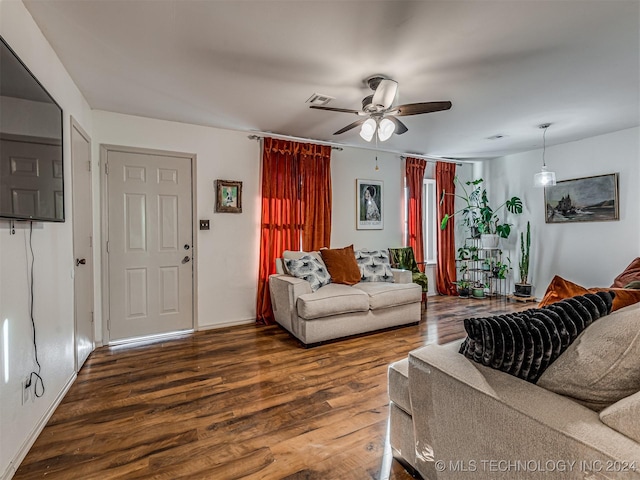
(26, 391)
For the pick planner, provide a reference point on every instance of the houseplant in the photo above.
(478, 213)
(523, 289)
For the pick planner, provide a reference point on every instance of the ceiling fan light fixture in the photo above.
(385, 129)
(368, 129)
(544, 178)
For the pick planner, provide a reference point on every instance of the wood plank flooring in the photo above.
(240, 402)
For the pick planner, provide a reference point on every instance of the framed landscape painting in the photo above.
(369, 205)
(587, 199)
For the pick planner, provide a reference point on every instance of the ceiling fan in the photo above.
(378, 112)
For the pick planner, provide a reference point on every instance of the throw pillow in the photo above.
(525, 344)
(620, 415)
(310, 269)
(560, 288)
(634, 285)
(341, 264)
(374, 266)
(603, 365)
(297, 255)
(631, 273)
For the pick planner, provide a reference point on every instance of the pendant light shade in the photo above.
(545, 178)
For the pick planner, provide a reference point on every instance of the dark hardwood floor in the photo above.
(239, 402)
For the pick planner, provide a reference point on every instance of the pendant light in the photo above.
(545, 178)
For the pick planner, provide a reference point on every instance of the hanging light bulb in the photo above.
(368, 129)
(545, 178)
(385, 129)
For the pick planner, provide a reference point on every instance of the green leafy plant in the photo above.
(524, 257)
(500, 269)
(477, 213)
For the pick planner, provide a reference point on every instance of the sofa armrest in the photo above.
(285, 290)
(401, 276)
(464, 412)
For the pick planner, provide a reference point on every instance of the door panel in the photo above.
(82, 243)
(150, 221)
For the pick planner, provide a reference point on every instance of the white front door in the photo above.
(82, 243)
(150, 243)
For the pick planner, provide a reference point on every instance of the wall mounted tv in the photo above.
(31, 167)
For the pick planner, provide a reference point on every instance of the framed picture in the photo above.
(587, 199)
(229, 196)
(369, 205)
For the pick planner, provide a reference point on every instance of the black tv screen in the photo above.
(31, 166)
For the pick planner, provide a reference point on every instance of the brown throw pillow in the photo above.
(342, 265)
(560, 288)
(631, 273)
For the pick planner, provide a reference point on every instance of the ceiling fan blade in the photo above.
(400, 127)
(332, 109)
(351, 125)
(418, 108)
(385, 93)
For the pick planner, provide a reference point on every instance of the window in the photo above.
(430, 221)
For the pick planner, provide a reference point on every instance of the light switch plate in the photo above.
(204, 224)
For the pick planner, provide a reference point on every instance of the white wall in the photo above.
(589, 253)
(227, 254)
(346, 167)
(52, 244)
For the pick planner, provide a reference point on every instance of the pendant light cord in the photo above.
(544, 144)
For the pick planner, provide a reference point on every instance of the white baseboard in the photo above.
(30, 440)
(233, 323)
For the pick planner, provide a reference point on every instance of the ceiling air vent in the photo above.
(319, 99)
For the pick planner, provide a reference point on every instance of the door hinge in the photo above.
(91, 317)
(108, 323)
(106, 168)
(90, 241)
(89, 164)
(107, 246)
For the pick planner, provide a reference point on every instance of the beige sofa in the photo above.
(452, 418)
(337, 310)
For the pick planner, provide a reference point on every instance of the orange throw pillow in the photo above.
(342, 265)
(559, 289)
(631, 273)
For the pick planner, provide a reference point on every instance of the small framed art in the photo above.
(228, 196)
(369, 205)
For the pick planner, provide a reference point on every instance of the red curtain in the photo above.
(446, 268)
(296, 203)
(414, 172)
(315, 163)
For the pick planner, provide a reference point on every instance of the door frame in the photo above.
(75, 125)
(104, 222)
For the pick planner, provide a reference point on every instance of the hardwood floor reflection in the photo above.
(239, 402)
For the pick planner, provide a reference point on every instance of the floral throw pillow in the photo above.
(310, 269)
(374, 266)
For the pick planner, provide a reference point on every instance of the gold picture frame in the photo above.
(228, 196)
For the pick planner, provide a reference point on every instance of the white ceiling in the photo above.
(507, 65)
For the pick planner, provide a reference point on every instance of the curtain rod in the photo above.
(340, 147)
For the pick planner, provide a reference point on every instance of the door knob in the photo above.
(186, 259)
(186, 246)
(81, 261)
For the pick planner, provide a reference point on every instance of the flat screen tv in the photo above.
(31, 166)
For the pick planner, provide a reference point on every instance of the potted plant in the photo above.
(500, 270)
(463, 288)
(478, 290)
(477, 213)
(523, 289)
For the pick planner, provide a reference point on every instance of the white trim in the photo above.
(429, 220)
(233, 323)
(35, 433)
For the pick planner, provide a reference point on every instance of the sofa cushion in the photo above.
(524, 344)
(399, 384)
(622, 416)
(332, 299)
(603, 365)
(297, 255)
(385, 295)
(341, 264)
(374, 266)
(560, 288)
(310, 269)
(631, 273)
